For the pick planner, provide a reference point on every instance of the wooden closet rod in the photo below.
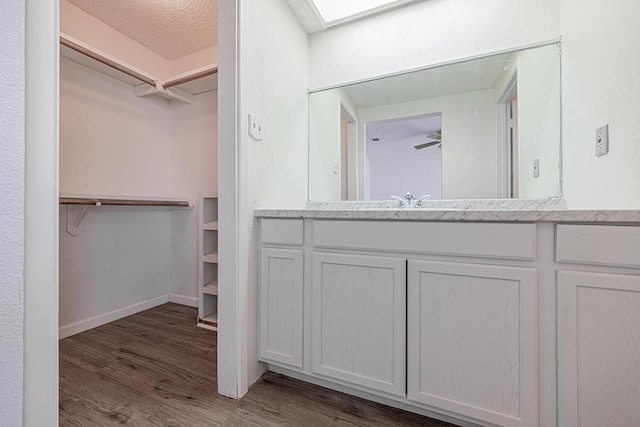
(123, 202)
(191, 77)
(106, 61)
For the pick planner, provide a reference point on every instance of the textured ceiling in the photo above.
(170, 28)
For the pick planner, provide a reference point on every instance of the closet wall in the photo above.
(113, 143)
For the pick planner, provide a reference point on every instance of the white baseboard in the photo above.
(93, 322)
(183, 300)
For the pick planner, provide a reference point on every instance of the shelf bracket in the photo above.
(75, 218)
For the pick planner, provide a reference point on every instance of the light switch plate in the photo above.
(536, 168)
(256, 130)
(602, 140)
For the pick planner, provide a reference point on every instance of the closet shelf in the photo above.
(106, 64)
(208, 265)
(177, 91)
(211, 258)
(78, 207)
(209, 322)
(189, 77)
(211, 288)
(91, 201)
(211, 225)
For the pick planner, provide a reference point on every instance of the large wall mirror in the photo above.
(487, 127)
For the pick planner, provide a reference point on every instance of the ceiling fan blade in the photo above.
(426, 145)
(435, 134)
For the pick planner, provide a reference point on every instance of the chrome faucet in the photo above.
(422, 199)
(408, 201)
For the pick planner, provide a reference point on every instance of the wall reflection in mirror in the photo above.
(482, 128)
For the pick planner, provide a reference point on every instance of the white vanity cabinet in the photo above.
(598, 325)
(441, 317)
(358, 325)
(507, 323)
(472, 340)
(281, 292)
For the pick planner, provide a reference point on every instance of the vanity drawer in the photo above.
(483, 240)
(617, 246)
(282, 231)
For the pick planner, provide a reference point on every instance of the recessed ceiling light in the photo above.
(337, 11)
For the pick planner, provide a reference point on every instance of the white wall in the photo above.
(539, 114)
(193, 167)
(468, 139)
(12, 172)
(121, 259)
(419, 173)
(324, 145)
(111, 141)
(425, 33)
(597, 92)
(272, 172)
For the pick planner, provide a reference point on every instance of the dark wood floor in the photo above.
(157, 368)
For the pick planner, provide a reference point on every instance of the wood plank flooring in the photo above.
(156, 368)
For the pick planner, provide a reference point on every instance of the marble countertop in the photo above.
(450, 214)
(489, 210)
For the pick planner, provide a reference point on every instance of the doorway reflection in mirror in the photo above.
(404, 155)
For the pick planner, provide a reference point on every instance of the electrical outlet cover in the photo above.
(602, 140)
(256, 130)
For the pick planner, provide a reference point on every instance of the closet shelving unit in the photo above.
(208, 265)
(174, 92)
(110, 201)
(78, 207)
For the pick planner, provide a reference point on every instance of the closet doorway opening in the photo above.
(508, 132)
(138, 235)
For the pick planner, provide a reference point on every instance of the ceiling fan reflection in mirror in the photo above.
(435, 139)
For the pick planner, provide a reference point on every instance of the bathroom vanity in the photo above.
(509, 317)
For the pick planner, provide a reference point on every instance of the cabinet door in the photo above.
(281, 283)
(358, 320)
(472, 340)
(598, 349)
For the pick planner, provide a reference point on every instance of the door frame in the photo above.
(40, 393)
(503, 152)
(41, 287)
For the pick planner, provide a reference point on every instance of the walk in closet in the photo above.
(138, 157)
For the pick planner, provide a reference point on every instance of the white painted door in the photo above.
(598, 349)
(358, 320)
(472, 340)
(281, 306)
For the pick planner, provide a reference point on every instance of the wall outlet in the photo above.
(256, 129)
(602, 140)
(536, 168)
